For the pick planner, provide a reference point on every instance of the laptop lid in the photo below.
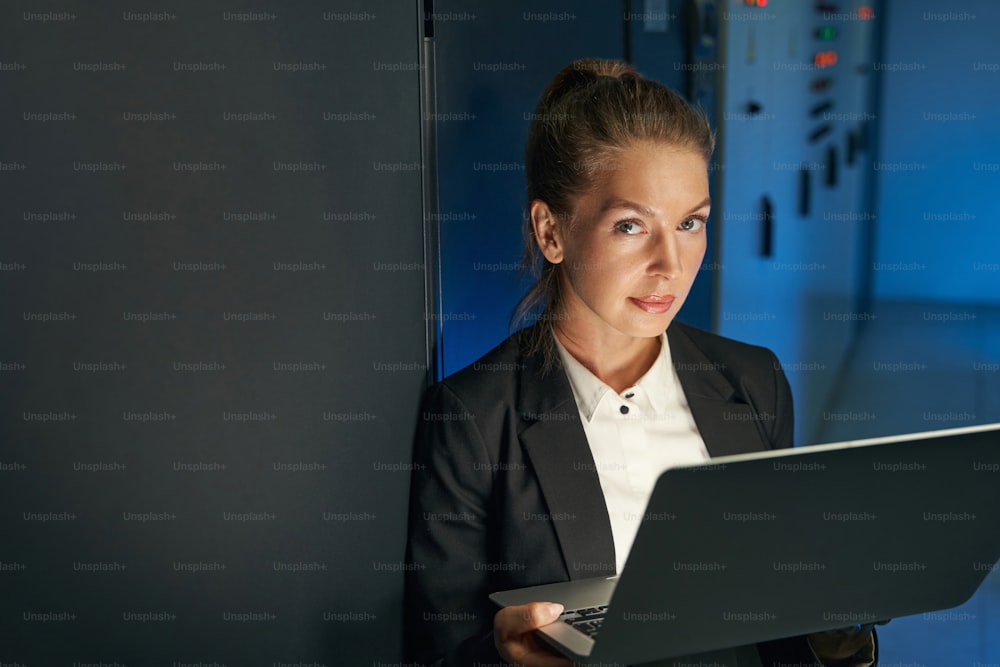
(774, 544)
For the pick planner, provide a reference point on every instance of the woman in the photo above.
(534, 464)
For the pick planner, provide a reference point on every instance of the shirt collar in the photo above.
(589, 390)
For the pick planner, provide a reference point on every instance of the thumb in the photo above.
(533, 615)
(546, 612)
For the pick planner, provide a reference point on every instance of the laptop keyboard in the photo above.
(587, 621)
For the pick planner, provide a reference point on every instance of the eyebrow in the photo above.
(642, 210)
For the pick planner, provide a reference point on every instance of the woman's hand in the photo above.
(513, 634)
(834, 645)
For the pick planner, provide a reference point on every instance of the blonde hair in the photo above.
(592, 110)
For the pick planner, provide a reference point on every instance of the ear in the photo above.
(548, 233)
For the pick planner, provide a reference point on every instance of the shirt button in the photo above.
(623, 409)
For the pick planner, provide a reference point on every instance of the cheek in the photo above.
(694, 253)
(588, 263)
(600, 279)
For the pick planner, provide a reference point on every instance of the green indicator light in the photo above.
(826, 33)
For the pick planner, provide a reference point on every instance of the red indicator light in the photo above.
(866, 13)
(762, 3)
(825, 59)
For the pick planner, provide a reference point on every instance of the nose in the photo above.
(665, 257)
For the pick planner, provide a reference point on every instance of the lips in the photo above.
(653, 304)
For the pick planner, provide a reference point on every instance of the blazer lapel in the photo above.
(727, 423)
(556, 444)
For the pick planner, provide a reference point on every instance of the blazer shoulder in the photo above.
(491, 378)
(722, 349)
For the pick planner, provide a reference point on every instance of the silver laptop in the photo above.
(760, 546)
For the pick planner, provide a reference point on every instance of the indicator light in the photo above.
(826, 33)
(825, 59)
(866, 13)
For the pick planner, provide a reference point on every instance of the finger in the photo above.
(839, 644)
(513, 634)
(856, 630)
(519, 619)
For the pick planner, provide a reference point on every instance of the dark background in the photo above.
(279, 390)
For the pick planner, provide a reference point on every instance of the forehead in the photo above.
(660, 176)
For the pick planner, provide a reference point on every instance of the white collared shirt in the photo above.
(634, 436)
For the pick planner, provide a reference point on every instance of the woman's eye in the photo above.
(691, 225)
(628, 227)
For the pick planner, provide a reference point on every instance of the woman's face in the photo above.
(635, 245)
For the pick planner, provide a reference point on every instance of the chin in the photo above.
(651, 328)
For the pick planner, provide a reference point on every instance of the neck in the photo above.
(617, 361)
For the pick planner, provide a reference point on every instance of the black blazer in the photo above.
(505, 491)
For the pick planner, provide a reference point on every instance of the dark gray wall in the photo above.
(211, 331)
